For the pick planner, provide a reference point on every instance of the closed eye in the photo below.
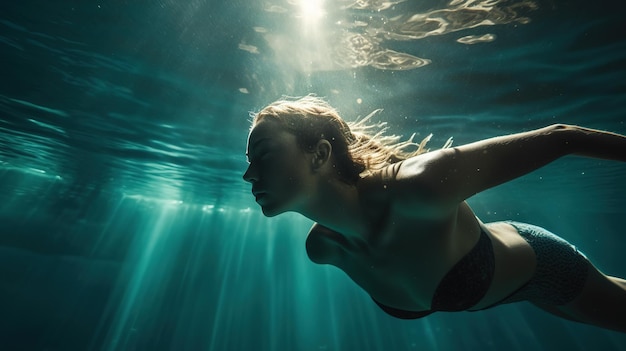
(257, 157)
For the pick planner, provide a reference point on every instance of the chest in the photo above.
(402, 263)
(399, 281)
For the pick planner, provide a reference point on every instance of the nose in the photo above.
(250, 176)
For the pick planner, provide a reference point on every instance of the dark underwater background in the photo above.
(124, 221)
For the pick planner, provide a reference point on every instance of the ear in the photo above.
(321, 153)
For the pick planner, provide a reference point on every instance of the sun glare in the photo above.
(312, 10)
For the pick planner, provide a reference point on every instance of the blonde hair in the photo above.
(359, 147)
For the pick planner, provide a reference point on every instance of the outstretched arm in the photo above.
(446, 177)
(596, 143)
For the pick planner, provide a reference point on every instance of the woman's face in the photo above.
(279, 171)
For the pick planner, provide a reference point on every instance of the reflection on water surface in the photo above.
(359, 33)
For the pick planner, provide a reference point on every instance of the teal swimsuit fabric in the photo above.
(561, 271)
(560, 275)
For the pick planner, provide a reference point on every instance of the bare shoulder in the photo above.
(419, 169)
(409, 185)
(322, 245)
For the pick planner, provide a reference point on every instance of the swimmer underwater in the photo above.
(397, 222)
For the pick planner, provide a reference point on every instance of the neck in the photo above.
(336, 205)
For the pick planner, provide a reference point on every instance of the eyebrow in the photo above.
(255, 144)
(258, 142)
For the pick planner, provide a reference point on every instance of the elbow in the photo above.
(560, 126)
(566, 139)
(559, 129)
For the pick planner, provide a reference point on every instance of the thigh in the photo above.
(602, 302)
(557, 311)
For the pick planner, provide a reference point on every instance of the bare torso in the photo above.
(402, 260)
(399, 230)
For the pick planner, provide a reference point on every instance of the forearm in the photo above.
(594, 143)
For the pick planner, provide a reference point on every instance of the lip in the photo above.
(258, 194)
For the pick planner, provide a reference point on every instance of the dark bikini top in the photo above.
(464, 284)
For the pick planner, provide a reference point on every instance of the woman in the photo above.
(397, 223)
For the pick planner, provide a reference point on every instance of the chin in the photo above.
(275, 208)
(271, 212)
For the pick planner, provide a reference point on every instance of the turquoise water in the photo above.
(124, 222)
